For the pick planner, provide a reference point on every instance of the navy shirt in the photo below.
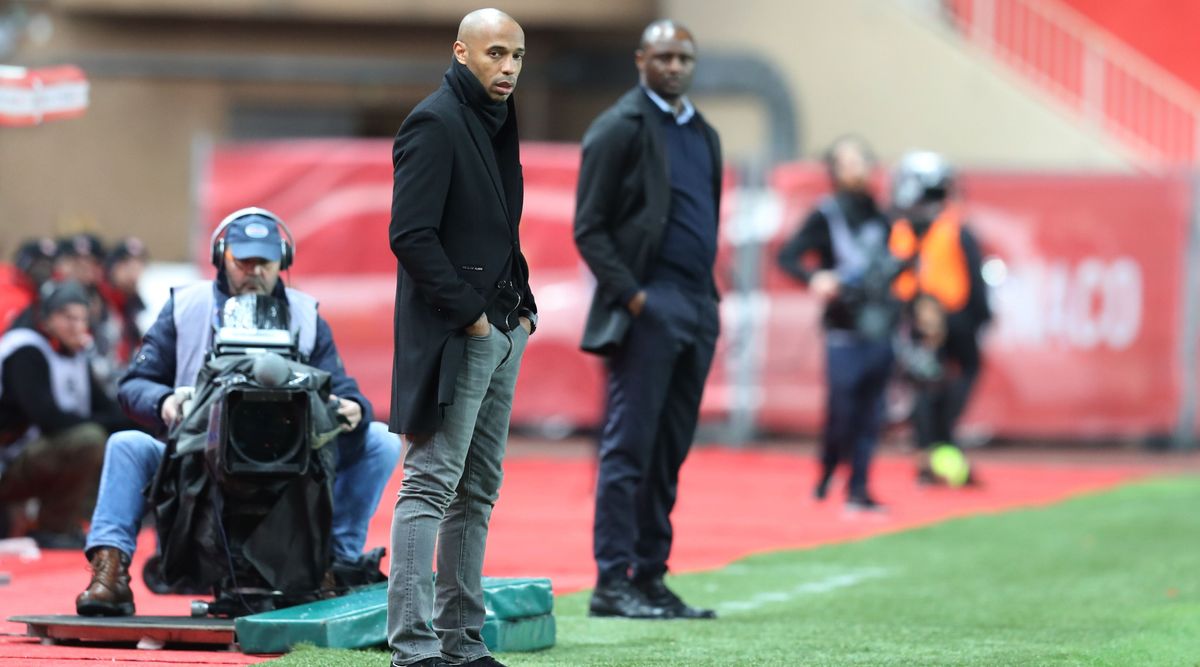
(689, 245)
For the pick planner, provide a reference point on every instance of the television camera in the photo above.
(867, 294)
(243, 500)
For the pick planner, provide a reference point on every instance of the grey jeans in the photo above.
(451, 481)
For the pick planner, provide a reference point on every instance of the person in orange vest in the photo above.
(944, 289)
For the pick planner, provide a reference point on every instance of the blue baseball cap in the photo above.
(254, 236)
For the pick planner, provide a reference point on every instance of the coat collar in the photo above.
(635, 102)
(683, 117)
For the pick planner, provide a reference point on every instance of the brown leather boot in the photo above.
(108, 593)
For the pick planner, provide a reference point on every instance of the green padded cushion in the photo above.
(359, 619)
(523, 634)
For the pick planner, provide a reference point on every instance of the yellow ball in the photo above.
(947, 462)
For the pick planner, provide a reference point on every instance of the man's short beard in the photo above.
(253, 286)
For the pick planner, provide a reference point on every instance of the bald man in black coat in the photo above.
(464, 313)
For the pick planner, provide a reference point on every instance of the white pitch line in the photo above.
(808, 588)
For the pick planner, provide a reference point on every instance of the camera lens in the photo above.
(266, 432)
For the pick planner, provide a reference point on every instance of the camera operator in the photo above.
(848, 234)
(945, 290)
(249, 257)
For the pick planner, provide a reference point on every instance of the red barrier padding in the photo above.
(1087, 313)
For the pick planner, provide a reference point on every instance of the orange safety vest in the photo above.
(941, 267)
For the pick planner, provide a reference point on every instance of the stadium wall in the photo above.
(899, 77)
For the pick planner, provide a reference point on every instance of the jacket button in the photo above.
(502, 284)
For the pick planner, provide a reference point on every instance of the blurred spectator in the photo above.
(123, 268)
(81, 257)
(848, 235)
(77, 258)
(33, 265)
(946, 290)
(54, 419)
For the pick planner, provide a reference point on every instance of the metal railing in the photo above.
(1107, 83)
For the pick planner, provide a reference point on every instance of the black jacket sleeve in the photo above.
(977, 301)
(35, 396)
(599, 193)
(813, 236)
(422, 160)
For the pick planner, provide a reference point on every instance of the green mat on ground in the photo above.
(522, 634)
(511, 598)
(519, 618)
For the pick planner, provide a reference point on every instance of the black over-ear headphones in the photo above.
(217, 242)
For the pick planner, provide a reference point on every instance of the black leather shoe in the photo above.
(822, 488)
(427, 662)
(656, 591)
(864, 503)
(621, 599)
(485, 661)
(363, 571)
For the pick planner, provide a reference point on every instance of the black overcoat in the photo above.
(454, 234)
(621, 209)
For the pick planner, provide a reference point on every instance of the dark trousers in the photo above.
(939, 406)
(857, 372)
(655, 380)
(61, 471)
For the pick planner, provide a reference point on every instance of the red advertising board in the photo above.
(1088, 301)
(1088, 319)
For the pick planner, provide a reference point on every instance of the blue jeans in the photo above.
(132, 457)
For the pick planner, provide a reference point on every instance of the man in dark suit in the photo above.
(646, 224)
(463, 315)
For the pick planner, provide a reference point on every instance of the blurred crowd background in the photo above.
(1074, 126)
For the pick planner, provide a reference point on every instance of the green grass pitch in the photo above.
(1108, 579)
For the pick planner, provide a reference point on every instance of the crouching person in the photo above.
(249, 252)
(54, 417)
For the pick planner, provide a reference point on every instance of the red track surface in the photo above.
(732, 503)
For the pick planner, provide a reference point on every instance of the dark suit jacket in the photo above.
(454, 233)
(621, 209)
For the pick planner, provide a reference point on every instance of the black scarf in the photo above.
(499, 120)
(491, 113)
